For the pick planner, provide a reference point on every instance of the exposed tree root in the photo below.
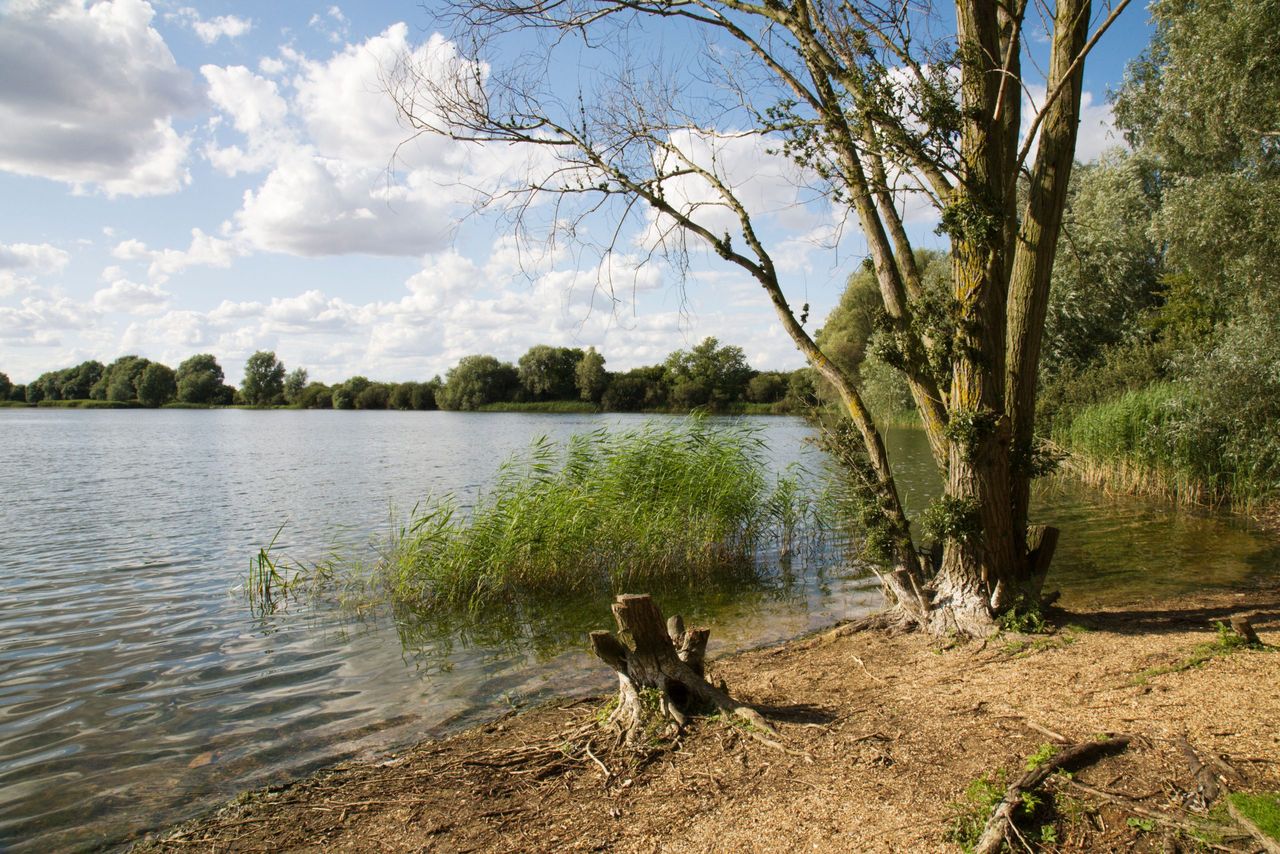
(1001, 821)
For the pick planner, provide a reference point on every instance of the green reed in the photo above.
(602, 511)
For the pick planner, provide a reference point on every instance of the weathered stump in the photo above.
(661, 680)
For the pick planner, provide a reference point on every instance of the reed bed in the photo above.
(603, 511)
(1161, 440)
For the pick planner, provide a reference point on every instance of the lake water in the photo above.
(137, 687)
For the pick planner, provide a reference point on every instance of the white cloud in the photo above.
(20, 261)
(257, 111)
(204, 251)
(88, 96)
(131, 250)
(37, 257)
(270, 65)
(224, 25)
(131, 298)
(1097, 131)
(38, 321)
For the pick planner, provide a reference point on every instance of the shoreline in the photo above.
(885, 736)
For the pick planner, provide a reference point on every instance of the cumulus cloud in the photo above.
(340, 177)
(39, 321)
(1097, 131)
(131, 298)
(88, 97)
(37, 257)
(204, 251)
(19, 262)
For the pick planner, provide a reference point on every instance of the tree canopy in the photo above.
(877, 106)
(263, 379)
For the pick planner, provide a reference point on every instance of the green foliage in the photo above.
(200, 380)
(603, 511)
(316, 395)
(968, 429)
(263, 382)
(1106, 276)
(1042, 755)
(294, 384)
(1028, 621)
(475, 381)
(969, 815)
(1177, 389)
(549, 373)
(590, 377)
(708, 375)
(1262, 808)
(6, 386)
(951, 518)
(157, 385)
(1143, 825)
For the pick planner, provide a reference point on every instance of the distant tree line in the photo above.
(710, 376)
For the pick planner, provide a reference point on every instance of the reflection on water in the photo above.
(136, 688)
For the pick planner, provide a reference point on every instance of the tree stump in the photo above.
(661, 680)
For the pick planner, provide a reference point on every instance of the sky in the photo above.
(226, 177)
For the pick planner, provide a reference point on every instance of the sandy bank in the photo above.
(885, 736)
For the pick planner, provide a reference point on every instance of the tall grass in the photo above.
(606, 510)
(1166, 440)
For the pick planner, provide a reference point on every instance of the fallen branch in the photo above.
(998, 826)
(1206, 780)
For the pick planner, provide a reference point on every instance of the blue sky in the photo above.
(213, 177)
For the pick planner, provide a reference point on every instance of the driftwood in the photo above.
(665, 662)
(1206, 779)
(997, 829)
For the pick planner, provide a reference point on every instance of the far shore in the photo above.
(892, 743)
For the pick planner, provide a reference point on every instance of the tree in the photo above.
(871, 112)
(475, 381)
(263, 379)
(424, 394)
(548, 373)
(119, 380)
(78, 381)
(345, 395)
(6, 386)
(707, 375)
(1107, 275)
(200, 380)
(590, 377)
(316, 395)
(767, 387)
(157, 385)
(294, 383)
(374, 396)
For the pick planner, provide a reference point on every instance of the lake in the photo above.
(137, 686)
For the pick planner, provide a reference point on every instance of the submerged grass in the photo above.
(603, 511)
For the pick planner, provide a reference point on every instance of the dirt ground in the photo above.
(884, 736)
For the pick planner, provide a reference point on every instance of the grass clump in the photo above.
(969, 815)
(606, 510)
(1262, 809)
(1226, 642)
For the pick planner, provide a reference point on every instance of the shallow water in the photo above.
(137, 687)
